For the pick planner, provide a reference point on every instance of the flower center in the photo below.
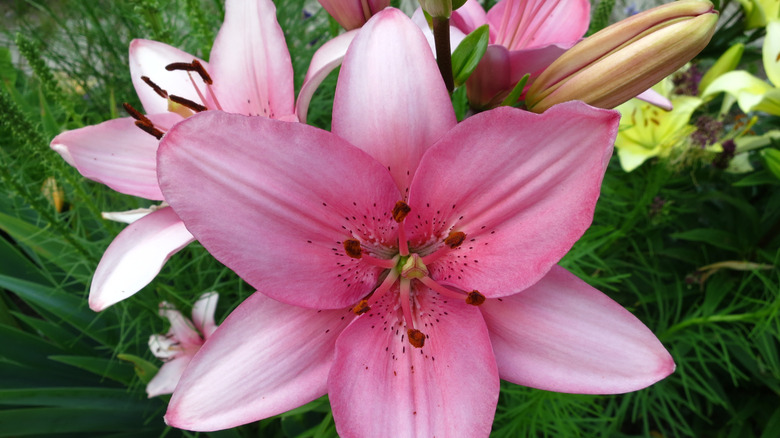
(406, 267)
(177, 104)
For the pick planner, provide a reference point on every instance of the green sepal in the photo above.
(468, 54)
(516, 92)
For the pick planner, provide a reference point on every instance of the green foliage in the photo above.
(600, 16)
(658, 245)
(467, 55)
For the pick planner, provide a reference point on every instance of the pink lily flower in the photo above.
(526, 36)
(352, 14)
(184, 339)
(249, 73)
(406, 262)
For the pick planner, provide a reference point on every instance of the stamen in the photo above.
(187, 103)
(445, 291)
(416, 338)
(149, 129)
(186, 66)
(387, 283)
(160, 92)
(134, 113)
(455, 239)
(361, 307)
(199, 69)
(475, 298)
(400, 211)
(353, 249)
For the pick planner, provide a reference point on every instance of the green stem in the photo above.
(441, 36)
(712, 319)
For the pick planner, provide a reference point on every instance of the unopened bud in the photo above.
(440, 8)
(626, 58)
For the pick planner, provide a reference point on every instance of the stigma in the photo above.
(408, 275)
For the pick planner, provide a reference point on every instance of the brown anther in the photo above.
(416, 338)
(353, 249)
(361, 307)
(134, 113)
(149, 129)
(188, 103)
(455, 239)
(186, 66)
(202, 71)
(475, 298)
(400, 211)
(160, 92)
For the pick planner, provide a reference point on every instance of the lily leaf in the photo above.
(468, 54)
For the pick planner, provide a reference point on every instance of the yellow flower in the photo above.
(647, 131)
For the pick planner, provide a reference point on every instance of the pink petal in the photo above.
(390, 99)
(164, 382)
(203, 313)
(182, 329)
(149, 58)
(563, 335)
(524, 24)
(522, 187)
(654, 98)
(136, 256)
(250, 63)
(381, 386)
(324, 61)
(469, 17)
(116, 153)
(492, 80)
(266, 358)
(277, 202)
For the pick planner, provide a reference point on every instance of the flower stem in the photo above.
(441, 36)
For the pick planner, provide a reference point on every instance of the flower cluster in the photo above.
(404, 262)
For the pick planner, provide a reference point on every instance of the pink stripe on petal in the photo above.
(274, 201)
(136, 256)
(563, 335)
(522, 187)
(381, 386)
(390, 99)
(266, 358)
(250, 63)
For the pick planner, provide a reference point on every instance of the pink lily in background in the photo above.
(249, 73)
(405, 262)
(526, 36)
(352, 14)
(184, 339)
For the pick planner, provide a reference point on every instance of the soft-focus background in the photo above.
(688, 242)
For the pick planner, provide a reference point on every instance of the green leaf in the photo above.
(718, 238)
(67, 307)
(468, 54)
(51, 421)
(144, 369)
(756, 179)
(84, 397)
(45, 244)
(17, 264)
(772, 159)
(112, 369)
